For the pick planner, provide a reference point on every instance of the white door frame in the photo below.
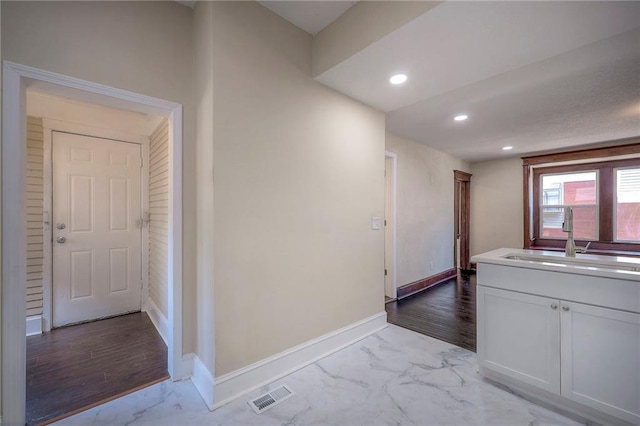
(16, 79)
(394, 208)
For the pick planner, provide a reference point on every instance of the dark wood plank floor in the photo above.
(446, 312)
(77, 367)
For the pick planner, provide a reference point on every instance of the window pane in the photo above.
(584, 222)
(575, 189)
(628, 205)
(569, 189)
(552, 194)
(552, 219)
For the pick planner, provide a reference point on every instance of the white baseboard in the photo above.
(247, 379)
(34, 325)
(157, 318)
(183, 369)
(203, 381)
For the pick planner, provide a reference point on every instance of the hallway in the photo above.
(446, 312)
(73, 368)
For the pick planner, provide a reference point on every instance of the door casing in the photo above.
(16, 79)
(393, 157)
(462, 218)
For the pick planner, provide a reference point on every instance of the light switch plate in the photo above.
(376, 222)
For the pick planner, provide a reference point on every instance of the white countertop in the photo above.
(627, 268)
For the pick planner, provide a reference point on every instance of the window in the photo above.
(603, 194)
(627, 218)
(577, 190)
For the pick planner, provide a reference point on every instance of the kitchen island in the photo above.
(564, 331)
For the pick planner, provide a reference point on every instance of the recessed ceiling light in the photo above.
(398, 79)
(461, 117)
(507, 148)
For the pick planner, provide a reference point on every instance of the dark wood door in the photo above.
(462, 212)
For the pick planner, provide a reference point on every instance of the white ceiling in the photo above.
(534, 75)
(586, 96)
(311, 16)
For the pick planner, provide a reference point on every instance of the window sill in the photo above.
(600, 252)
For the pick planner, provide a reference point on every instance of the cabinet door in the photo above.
(519, 336)
(601, 359)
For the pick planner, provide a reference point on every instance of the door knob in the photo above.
(565, 308)
(61, 240)
(60, 226)
(554, 306)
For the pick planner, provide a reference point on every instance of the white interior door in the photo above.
(96, 237)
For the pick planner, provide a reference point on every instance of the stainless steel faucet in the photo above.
(570, 248)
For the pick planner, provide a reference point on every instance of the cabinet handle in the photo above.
(565, 308)
(554, 306)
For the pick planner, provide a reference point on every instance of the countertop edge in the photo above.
(496, 257)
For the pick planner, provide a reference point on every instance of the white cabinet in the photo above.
(600, 352)
(519, 336)
(563, 330)
(584, 353)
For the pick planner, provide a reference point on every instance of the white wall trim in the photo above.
(157, 318)
(62, 85)
(16, 79)
(394, 207)
(203, 381)
(14, 272)
(47, 248)
(186, 367)
(240, 382)
(174, 242)
(146, 248)
(34, 325)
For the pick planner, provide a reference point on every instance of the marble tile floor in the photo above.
(394, 377)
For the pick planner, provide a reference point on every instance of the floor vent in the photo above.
(270, 399)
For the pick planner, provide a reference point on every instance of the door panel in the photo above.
(519, 336)
(119, 269)
(603, 375)
(118, 204)
(81, 274)
(81, 203)
(96, 203)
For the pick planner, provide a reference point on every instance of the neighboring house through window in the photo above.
(627, 212)
(602, 186)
